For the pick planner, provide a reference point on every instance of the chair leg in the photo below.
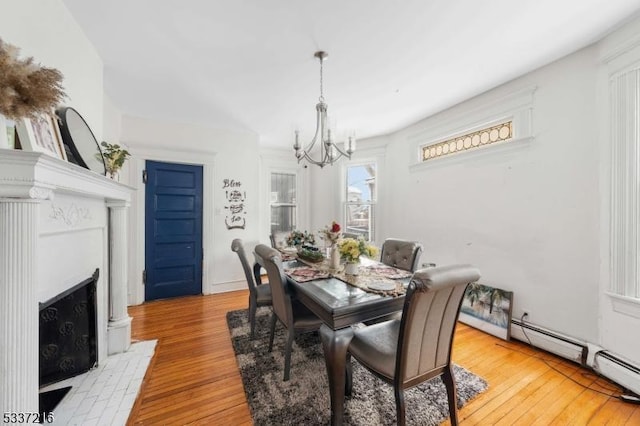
(252, 316)
(287, 355)
(400, 410)
(348, 376)
(273, 330)
(450, 384)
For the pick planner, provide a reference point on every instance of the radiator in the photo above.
(617, 369)
(605, 363)
(551, 341)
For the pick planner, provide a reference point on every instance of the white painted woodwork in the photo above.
(54, 234)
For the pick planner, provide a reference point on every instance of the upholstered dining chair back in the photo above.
(401, 254)
(238, 247)
(259, 294)
(278, 239)
(281, 301)
(428, 322)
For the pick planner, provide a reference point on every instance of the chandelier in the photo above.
(329, 151)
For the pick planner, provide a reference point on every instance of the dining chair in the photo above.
(416, 348)
(296, 317)
(259, 293)
(278, 239)
(401, 254)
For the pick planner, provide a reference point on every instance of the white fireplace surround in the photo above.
(58, 223)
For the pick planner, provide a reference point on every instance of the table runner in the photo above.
(370, 271)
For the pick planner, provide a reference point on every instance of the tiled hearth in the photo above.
(105, 395)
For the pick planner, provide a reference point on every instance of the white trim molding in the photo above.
(516, 107)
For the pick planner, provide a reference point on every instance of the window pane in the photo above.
(360, 220)
(283, 219)
(283, 202)
(361, 183)
(283, 188)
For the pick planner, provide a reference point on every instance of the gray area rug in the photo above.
(304, 399)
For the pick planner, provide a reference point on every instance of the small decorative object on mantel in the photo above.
(27, 90)
(332, 234)
(114, 158)
(351, 250)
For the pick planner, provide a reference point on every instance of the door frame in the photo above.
(142, 153)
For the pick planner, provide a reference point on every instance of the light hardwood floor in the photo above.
(194, 379)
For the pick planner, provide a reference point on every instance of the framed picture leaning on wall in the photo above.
(41, 134)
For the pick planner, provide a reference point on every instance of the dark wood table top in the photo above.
(340, 304)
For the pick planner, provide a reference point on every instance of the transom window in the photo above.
(498, 133)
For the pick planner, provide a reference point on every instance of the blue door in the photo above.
(173, 233)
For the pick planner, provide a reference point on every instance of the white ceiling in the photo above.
(249, 65)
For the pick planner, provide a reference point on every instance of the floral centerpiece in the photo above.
(331, 234)
(351, 250)
(298, 238)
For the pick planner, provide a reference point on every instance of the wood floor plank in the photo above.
(194, 379)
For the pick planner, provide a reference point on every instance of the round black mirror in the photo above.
(81, 146)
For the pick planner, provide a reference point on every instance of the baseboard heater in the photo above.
(550, 341)
(617, 369)
(588, 355)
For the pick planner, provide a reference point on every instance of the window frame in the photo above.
(373, 204)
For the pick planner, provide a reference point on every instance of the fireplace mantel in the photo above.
(58, 223)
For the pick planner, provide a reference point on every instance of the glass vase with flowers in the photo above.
(332, 234)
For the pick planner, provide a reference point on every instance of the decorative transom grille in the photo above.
(498, 133)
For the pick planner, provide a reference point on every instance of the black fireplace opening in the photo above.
(68, 333)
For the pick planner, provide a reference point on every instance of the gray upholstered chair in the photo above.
(417, 347)
(278, 239)
(259, 293)
(401, 254)
(290, 312)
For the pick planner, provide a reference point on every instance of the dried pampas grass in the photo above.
(26, 88)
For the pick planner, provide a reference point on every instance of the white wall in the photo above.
(225, 155)
(532, 216)
(527, 217)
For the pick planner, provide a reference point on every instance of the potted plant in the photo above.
(351, 250)
(114, 157)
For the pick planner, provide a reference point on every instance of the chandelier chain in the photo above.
(321, 98)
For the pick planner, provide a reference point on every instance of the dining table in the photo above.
(342, 301)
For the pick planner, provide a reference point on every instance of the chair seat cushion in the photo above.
(375, 347)
(303, 318)
(264, 294)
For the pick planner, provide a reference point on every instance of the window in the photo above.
(625, 185)
(283, 202)
(360, 196)
(498, 133)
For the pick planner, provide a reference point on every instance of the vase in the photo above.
(351, 268)
(335, 257)
(114, 175)
(4, 140)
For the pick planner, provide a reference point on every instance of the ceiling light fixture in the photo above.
(329, 151)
